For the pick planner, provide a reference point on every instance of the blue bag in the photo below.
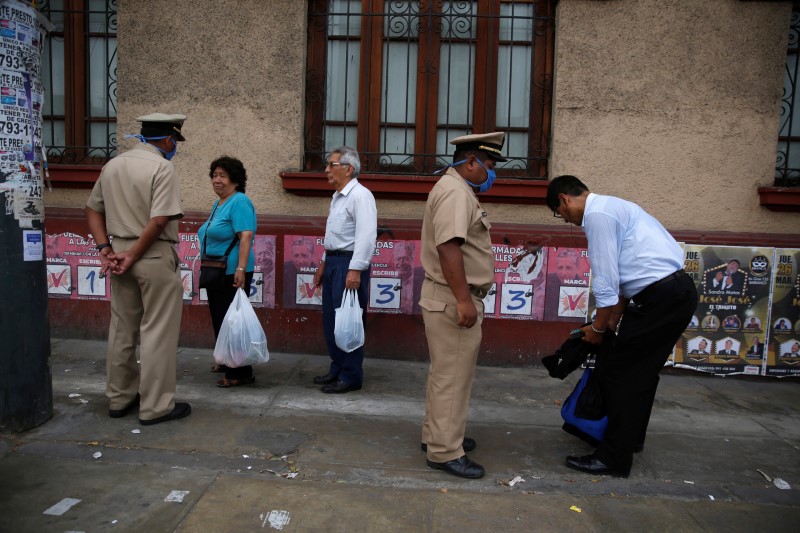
(592, 431)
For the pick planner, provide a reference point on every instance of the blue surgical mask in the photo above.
(167, 155)
(483, 187)
(490, 177)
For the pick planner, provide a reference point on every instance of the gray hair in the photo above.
(349, 156)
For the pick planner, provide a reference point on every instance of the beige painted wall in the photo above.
(673, 104)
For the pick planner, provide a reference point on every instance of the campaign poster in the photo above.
(73, 268)
(567, 285)
(396, 278)
(262, 288)
(728, 332)
(301, 257)
(519, 283)
(783, 350)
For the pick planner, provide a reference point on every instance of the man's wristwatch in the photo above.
(101, 246)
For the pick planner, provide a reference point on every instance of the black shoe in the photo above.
(461, 467)
(181, 410)
(592, 465)
(468, 445)
(324, 380)
(340, 387)
(119, 413)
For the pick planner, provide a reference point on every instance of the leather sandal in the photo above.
(225, 383)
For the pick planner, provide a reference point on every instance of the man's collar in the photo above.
(347, 188)
(150, 148)
(454, 173)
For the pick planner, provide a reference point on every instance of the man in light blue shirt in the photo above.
(634, 261)
(350, 234)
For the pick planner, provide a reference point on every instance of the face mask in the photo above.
(483, 187)
(167, 155)
(490, 177)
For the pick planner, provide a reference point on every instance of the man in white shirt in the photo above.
(350, 235)
(634, 259)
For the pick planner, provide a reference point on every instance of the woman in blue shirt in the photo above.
(233, 217)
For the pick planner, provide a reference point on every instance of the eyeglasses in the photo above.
(335, 164)
(556, 214)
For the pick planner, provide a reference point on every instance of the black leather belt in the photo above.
(675, 275)
(338, 253)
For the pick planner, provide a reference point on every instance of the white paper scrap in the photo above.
(277, 519)
(176, 496)
(62, 507)
(781, 484)
(137, 431)
(74, 395)
(689, 482)
(97, 455)
(517, 479)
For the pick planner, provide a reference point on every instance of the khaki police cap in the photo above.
(156, 124)
(491, 143)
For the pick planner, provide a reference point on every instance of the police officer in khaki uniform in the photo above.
(133, 214)
(459, 270)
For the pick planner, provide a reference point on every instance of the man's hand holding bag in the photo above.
(349, 326)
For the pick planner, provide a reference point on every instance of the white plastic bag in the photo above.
(349, 327)
(241, 340)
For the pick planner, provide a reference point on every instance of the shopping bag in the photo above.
(349, 327)
(241, 340)
(592, 431)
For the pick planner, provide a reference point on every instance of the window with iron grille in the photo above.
(79, 73)
(787, 171)
(399, 79)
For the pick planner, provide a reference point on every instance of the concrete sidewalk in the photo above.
(280, 455)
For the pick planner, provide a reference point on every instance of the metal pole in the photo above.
(26, 389)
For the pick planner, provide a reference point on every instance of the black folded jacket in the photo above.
(573, 353)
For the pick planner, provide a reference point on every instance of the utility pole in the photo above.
(26, 387)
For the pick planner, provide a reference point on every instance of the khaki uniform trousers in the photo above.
(453, 351)
(146, 302)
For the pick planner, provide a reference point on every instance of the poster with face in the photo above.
(301, 257)
(783, 349)
(567, 285)
(519, 284)
(727, 335)
(396, 278)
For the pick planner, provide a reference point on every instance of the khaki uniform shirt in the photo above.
(134, 187)
(453, 211)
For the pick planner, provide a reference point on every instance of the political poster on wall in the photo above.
(567, 285)
(728, 332)
(783, 349)
(73, 268)
(518, 289)
(396, 278)
(301, 256)
(262, 288)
